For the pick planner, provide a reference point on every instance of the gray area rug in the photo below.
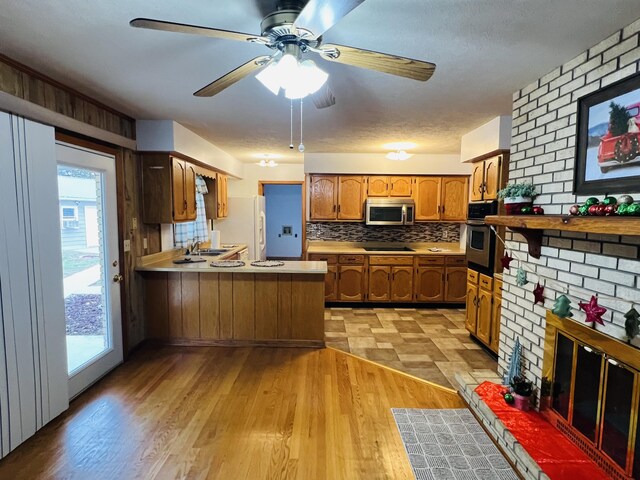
(450, 444)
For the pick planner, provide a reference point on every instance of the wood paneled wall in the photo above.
(243, 308)
(23, 82)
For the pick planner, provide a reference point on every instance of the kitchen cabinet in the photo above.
(168, 189)
(379, 283)
(441, 198)
(471, 318)
(455, 284)
(429, 284)
(222, 209)
(351, 283)
(401, 284)
(488, 177)
(496, 315)
(483, 327)
(390, 278)
(335, 197)
(454, 199)
(331, 277)
(484, 301)
(389, 186)
(323, 197)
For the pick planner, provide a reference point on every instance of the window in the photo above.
(633, 111)
(69, 216)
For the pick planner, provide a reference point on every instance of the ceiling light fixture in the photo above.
(298, 78)
(399, 155)
(267, 163)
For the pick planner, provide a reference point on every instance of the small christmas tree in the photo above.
(632, 324)
(514, 363)
(562, 307)
(618, 119)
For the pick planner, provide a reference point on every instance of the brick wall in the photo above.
(543, 151)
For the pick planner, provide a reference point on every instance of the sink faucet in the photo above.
(195, 247)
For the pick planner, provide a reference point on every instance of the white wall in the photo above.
(169, 136)
(493, 135)
(283, 207)
(253, 173)
(376, 163)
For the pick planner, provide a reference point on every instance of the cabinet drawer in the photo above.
(351, 259)
(456, 260)
(497, 286)
(323, 257)
(486, 282)
(389, 260)
(473, 276)
(431, 260)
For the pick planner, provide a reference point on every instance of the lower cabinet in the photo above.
(484, 300)
(388, 278)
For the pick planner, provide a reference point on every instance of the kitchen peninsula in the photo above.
(197, 304)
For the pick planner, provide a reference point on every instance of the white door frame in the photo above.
(80, 157)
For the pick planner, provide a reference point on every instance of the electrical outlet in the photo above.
(134, 223)
(145, 245)
(445, 235)
(127, 245)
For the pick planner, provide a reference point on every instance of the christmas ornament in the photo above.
(600, 209)
(583, 210)
(526, 210)
(506, 261)
(610, 209)
(593, 209)
(633, 209)
(593, 310)
(538, 294)
(562, 307)
(509, 398)
(609, 200)
(625, 200)
(623, 208)
(538, 210)
(591, 201)
(521, 277)
(574, 210)
(632, 324)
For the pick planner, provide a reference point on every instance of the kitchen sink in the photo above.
(389, 249)
(212, 252)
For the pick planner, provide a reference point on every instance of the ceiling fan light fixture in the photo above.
(270, 78)
(399, 155)
(267, 163)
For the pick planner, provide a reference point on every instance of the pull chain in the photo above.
(291, 123)
(301, 146)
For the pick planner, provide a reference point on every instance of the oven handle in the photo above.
(480, 223)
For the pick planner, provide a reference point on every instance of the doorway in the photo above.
(90, 261)
(285, 219)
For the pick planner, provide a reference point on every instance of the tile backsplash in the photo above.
(359, 232)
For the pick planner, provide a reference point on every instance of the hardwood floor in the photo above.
(232, 413)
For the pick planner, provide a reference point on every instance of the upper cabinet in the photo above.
(335, 197)
(389, 186)
(488, 176)
(169, 189)
(441, 198)
(221, 196)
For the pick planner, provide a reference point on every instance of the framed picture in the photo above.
(608, 140)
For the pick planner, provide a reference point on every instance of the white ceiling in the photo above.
(484, 51)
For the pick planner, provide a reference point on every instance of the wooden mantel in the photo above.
(531, 226)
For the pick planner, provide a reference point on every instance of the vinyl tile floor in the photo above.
(431, 344)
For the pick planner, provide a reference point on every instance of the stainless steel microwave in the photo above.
(389, 211)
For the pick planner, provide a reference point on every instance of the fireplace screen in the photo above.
(617, 413)
(587, 392)
(562, 375)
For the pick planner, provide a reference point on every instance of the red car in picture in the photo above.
(623, 149)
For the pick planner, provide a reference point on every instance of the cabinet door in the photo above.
(351, 283)
(225, 196)
(429, 284)
(379, 283)
(492, 168)
(324, 196)
(221, 195)
(454, 199)
(378, 186)
(495, 322)
(477, 181)
(472, 308)
(427, 197)
(455, 284)
(350, 205)
(178, 174)
(483, 331)
(402, 284)
(400, 186)
(190, 191)
(331, 283)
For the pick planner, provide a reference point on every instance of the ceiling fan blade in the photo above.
(232, 77)
(324, 97)
(318, 16)
(192, 29)
(382, 62)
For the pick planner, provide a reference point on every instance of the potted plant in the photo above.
(516, 196)
(522, 390)
(545, 394)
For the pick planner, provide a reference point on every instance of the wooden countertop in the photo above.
(205, 267)
(358, 248)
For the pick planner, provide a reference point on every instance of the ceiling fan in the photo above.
(295, 29)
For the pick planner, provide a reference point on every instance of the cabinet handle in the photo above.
(338, 208)
(334, 208)
(185, 205)
(442, 208)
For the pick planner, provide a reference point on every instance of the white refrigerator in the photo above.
(245, 223)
